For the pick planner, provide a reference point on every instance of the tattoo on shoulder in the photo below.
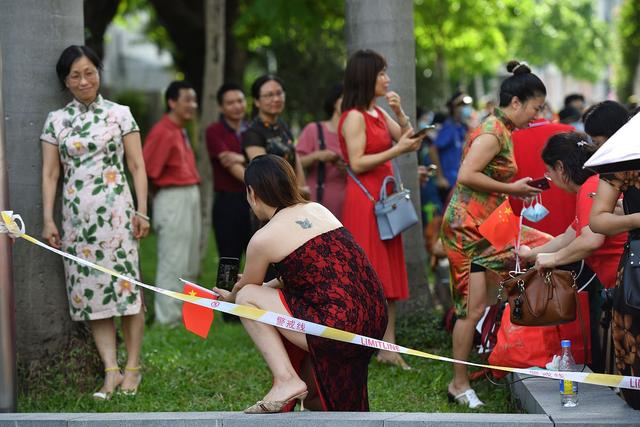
(304, 223)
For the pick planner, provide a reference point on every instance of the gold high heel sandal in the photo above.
(275, 406)
(106, 395)
(132, 391)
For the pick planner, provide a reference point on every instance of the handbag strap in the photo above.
(396, 177)
(396, 174)
(517, 246)
(320, 166)
(357, 181)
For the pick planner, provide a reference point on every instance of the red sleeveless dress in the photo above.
(386, 256)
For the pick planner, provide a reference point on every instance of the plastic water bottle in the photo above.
(568, 388)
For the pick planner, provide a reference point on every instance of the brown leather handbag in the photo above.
(541, 298)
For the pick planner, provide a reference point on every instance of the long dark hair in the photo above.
(523, 84)
(360, 79)
(572, 149)
(273, 180)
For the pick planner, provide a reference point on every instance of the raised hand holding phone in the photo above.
(422, 132)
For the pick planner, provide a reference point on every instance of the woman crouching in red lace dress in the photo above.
(324, 277)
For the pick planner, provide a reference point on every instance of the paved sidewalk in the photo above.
(302, 419)
(598, 406)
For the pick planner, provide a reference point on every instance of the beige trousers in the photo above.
(176, 220)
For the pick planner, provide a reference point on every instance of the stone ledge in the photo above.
(304, 419)
(597, 405)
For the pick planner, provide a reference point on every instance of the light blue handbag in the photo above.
(395, 212)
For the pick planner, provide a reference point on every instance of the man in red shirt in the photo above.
(231, 217)
(171, 167)
(527, 145)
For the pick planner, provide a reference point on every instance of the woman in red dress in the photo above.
(366, 132)
(325, 278)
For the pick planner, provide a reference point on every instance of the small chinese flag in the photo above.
(501, 227)
(197, 319)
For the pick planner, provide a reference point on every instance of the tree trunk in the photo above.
(235, 54)
(31, 90)
(629, 38)
(98, 14)
(387, 27)
(184, 21)
(213, 69)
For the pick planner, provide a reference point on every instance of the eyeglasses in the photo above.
(271, 95)
(88, 75)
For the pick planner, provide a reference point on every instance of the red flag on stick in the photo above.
(197, 319)
(501, 227)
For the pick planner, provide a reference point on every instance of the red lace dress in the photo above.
(328, 280)
(387, 256)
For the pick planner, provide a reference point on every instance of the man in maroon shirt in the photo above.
(171, 167)
(231, 218)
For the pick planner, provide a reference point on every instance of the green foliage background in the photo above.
(456, 41)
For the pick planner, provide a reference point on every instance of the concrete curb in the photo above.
(597, 405)
(302, 419)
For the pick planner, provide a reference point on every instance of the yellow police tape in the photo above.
(283, 321)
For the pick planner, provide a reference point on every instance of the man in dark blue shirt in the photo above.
(451, 139)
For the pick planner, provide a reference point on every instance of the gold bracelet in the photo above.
(143, 216)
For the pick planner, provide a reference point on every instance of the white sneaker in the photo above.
(469, 398)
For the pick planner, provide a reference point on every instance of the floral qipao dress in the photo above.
(97, 207)
(469, 208)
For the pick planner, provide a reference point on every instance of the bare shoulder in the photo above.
(260, 240)
(354, 116)
(486, 139)
(487, 143)
(354, 119)
(353, 125)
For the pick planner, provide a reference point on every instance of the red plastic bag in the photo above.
(527, 346)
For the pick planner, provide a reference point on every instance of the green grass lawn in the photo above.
(183, 372)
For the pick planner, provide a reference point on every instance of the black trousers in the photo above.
(231, 223)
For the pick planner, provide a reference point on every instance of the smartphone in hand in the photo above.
(422, 132)
(228, 269)
(541, 183)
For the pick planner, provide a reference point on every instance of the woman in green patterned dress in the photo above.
(484, 182)
(89, 138)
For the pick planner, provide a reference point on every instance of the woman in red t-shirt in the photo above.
(564, 155)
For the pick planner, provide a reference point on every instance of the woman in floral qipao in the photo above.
(484, 182)
(89, 138)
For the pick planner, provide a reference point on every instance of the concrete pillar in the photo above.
(33, 33)
(387, 27)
